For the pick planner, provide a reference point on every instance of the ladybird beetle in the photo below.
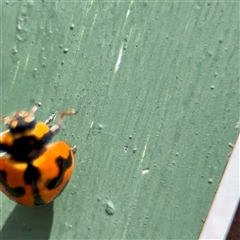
(33, 172)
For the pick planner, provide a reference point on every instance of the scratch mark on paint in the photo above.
(136, 186)
(164, 107)
(26, 63)
(144, 150)
(119, 60)
(80, 38)
(128, 11)
(15, 75)
(89, 129)
(91, 124)
(90, 6)
(94, 20)
(91, 3)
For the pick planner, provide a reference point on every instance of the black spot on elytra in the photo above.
(31, 177)
(63, 164)
(3, 176)
(23, 146)
(15, 192)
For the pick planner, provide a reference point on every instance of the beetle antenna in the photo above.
(66, 113)
(56, 128)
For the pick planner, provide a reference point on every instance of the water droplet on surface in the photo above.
(14, 51)
(19, 27)
(210, 180)
(231, 145)
(35, 73)
(110, 209)
(65, 50)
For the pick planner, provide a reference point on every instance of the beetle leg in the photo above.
(74, 149)
(50, 119)
(34, 109)
(6, 120)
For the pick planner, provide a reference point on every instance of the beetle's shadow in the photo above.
(29, 223)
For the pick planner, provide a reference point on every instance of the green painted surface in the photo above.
(161, 118)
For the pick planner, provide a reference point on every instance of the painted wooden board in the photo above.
(156, 85)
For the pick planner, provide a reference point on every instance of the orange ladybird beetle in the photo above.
(33, 172)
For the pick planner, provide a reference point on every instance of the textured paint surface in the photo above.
(156, 85)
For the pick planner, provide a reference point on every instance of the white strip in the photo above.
(119, 59)
(128, 12)
(226, 200)
(146, 170)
